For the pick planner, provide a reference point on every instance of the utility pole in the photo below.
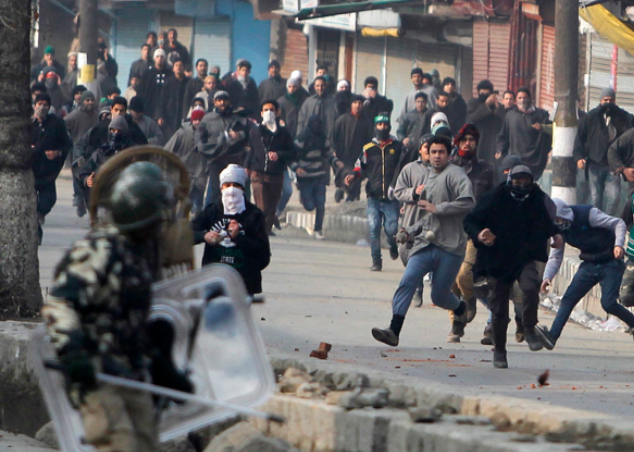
(88, 33)
(566, 81)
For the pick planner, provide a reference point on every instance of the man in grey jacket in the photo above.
(321, 104)
(438, 240)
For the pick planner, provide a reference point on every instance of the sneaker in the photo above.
(457, 331)
(499, 360)
(463, 317)
(472, 309)
(318, 235)
(276, 224)
(519, 332)
(377, 266)
(547, 339)
(387, 336)
(417, 299)
(394, 252)
(534, 341)
(339, 194)
(487, 338)
(81, 209)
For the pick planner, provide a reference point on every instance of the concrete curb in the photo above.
(558, 424)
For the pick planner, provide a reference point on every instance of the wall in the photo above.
(251, 39)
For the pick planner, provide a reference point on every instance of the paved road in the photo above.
(324, 291)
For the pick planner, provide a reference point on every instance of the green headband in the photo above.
(381, 118)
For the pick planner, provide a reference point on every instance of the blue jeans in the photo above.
(386, 213)
(609, 276)
(605, 188)
(312, 194)
(287, 192)
(430, 259)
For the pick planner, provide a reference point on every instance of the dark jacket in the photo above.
(372, 106)
(151, 90)
(272, 88)
(49, 135)
(194, 86)
(324, 107)
(211, 136)
(250, 253)
(521, 228)
(480, 172)
(172, 104)
(183, 54)
(596, 244)
(592, 140)
(261, 142)
(621, 153)
(289, 111)
(456, 112)
(349, 136)
(244, 97)
(379, 163)
(488, 121)
(313, 154)
(137, 69)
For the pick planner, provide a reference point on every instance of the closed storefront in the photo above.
(402, 56)
(546, 91)
(491, 54)
(130, 30)
(370, 61)
(602, 54)
(440, 56)
(212, 41)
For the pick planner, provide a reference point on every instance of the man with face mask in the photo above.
(50, 144)
(350, 133)
(222, 139)
(243, 90)
(487, 115)
(183, 145)
(234, 231)
(510, 226)
(117, 142)
(601, 127)
(378, 163)
(271, 150)
(601, 240)
(526, 133)
(436, 240)
(482, 177)
(97, 311)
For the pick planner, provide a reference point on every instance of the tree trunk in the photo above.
(20, 294)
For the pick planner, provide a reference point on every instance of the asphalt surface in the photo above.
(320, 291)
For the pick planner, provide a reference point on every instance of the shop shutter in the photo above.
(547, 76)
(401, 58)
(625, 81)
(440, 56)
(491, 44)
(212, 41)
(131, 27)
(369, 61)
(600, 68)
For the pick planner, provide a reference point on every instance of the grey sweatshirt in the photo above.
(597, 219)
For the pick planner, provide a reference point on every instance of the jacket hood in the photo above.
(563, 210)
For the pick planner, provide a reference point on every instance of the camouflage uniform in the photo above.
(98, 308)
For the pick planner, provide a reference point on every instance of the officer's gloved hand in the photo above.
(81, 376)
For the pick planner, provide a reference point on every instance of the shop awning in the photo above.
(608, 26)
(344, 8)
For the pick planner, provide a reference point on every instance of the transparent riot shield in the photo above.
(216, 341)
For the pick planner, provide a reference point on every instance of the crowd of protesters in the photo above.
(453, 186)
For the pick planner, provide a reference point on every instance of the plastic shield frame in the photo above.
(216, 341)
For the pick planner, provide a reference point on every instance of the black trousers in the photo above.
(529, 281)
(46, 197)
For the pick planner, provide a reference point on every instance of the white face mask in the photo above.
(268, 119)
(233, 200)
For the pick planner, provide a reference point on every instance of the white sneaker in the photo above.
(318, 235)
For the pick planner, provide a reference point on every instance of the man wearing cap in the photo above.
(601, 127)
(373, 102)
(234, 231)
(436, 241)
(243, 90)
(322, 104)
(350, 133)
(270, 151)
(487, 115)
(510, 226)
(172, 104)
(195, 85)
(147, 125)
(275, 86)
(290, 104)
(183, 145)
(378, 163)
(222, 139)
(601, 240)
(297, 75)
(410, 100)
(49, 61)
(152, 84)
(526, 133)
(51, 144)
